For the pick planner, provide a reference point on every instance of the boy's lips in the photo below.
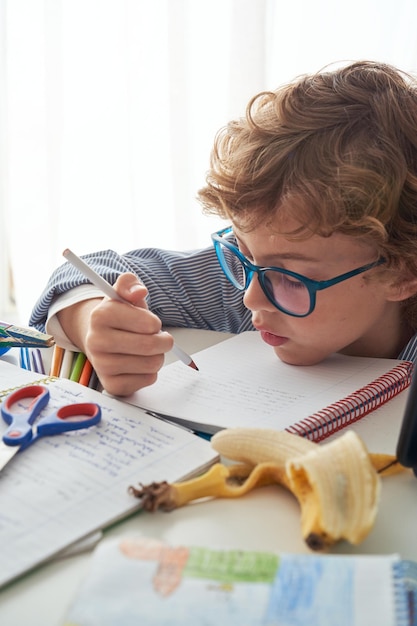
(273, 340)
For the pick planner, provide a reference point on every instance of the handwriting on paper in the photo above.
(63, 487)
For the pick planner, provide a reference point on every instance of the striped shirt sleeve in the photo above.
(186, 289)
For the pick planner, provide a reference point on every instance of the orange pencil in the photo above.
(86, 373)
(57, 356)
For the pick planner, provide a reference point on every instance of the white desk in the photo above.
(266, 519)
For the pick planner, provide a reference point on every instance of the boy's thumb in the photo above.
(131, 289)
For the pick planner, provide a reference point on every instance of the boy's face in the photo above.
(360, 316)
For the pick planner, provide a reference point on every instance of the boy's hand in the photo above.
(122, 341)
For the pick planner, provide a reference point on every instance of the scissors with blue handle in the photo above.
(20, 409)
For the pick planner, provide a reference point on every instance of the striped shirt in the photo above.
(186, 290)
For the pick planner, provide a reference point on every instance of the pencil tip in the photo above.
(194, 366)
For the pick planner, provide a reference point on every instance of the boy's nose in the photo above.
(254, 298)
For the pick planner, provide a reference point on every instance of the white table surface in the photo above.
(265, 519)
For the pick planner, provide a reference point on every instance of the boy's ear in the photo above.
(402, 289)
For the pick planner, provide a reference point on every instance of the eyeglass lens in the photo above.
(287, 292)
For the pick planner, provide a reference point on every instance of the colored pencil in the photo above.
(94, 382)
(86, 373)
(57, 356)
(37, 361)
(67, 363)
(78, 367)
(25, 359)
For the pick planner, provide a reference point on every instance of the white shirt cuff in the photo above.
(78, 294)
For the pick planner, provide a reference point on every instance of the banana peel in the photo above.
(337, 484)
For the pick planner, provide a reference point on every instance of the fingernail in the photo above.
(134, 288)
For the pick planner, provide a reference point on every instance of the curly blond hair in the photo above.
(338, 149)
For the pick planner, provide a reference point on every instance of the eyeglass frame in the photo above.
(313, 286)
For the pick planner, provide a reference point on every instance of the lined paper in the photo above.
(63, 488)
(242, 383)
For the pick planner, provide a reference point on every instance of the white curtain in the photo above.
(108, 110)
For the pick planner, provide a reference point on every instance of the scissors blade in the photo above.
(7, 453)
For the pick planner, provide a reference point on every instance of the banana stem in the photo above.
(220, 481)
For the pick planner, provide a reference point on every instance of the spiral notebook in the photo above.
(242, 383)
(139, 580)
(65, 488)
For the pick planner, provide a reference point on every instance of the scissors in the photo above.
(20, 409)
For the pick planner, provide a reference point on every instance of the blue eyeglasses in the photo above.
(288, 291)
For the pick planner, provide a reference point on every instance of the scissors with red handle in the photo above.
(21, 408)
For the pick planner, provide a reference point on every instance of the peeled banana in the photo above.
(337, 484)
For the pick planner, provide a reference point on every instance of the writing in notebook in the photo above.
(68, 486)
(242, 383)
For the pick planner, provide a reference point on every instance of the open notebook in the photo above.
(63, 488)
(241, 383)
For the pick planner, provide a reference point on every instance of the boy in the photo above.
(319, 183)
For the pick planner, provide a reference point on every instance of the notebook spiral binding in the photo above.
(42, 381)
(353, 407)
